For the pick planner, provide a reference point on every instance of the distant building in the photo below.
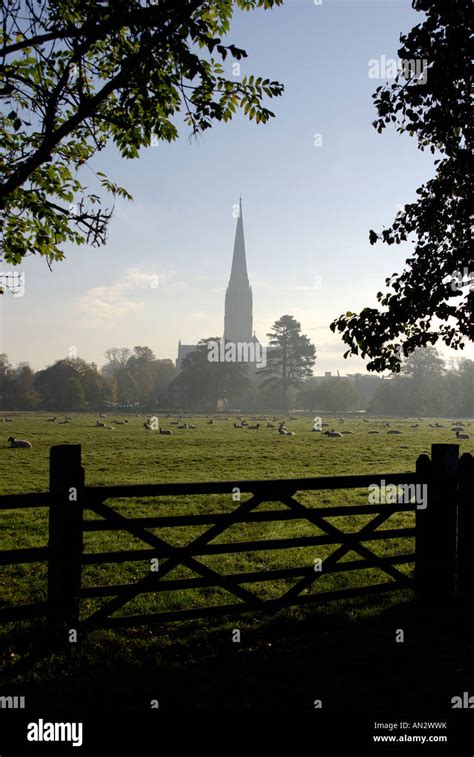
(238, 308)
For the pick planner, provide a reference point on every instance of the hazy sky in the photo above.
(307, 209)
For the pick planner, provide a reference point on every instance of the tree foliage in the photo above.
(206, 382)
(290, 358)
(433, 298)
(78, 74)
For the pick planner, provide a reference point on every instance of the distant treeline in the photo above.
(128, 378)
(136, 378)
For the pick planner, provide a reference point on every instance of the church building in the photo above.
(238, 320)
(238, 312)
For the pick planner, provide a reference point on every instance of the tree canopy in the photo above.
(290, 358)
(433, 298)
(78, 74)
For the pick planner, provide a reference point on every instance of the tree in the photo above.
(117, 359)
(290, 358)
(332, 394)
(206, 382)
(50, 384)
(78, 74)
(26, 398)
(433, 298)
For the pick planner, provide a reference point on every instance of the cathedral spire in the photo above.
(238, 273)
(238, 299)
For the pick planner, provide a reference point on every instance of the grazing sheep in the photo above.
(415, 426)
(238, 425)
(18, 442)
(347, 432)
(67, 418)
(51, 420)
(166, 431)
(120, 423)
(254, 428)
(394, 431)
(210, 423)
(270, 425)
(458, 428)
(373, 432)
(103, 415)
(99, 424)
(333, 433)
(462, 436)
(184, 426)
(284, 432)
(7, 419)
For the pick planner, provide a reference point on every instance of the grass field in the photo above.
(130, 454)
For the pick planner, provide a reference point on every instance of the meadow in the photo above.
(210, 452)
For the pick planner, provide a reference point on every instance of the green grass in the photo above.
(129, 454)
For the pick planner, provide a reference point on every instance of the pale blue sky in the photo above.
(307, 210)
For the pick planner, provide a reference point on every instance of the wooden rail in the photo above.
(443, 532)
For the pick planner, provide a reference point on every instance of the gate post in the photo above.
(465, 567)
(66, 485)
(435, 549)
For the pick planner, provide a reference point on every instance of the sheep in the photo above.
(333, 434)
(184, 426)
(18, 442)
(458, 428)
(270, 425)
(373, 432)
(394, 431)
(67, 418)
(285, 432)
(238, 425)
(52, 420)
(254, 428)
(166, 431)
(103, 415)
(99, 424)
(210, 423)
(120, 423)
(347, 432)
(147, 426)
(462, 436)
(61, 423)
(7, 419)
(415, 426)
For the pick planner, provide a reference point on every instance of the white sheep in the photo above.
(333, 434)
(18, 442)
(462, 436)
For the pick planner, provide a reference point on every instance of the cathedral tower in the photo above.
(238, 297)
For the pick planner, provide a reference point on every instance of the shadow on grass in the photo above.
(347, 656)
